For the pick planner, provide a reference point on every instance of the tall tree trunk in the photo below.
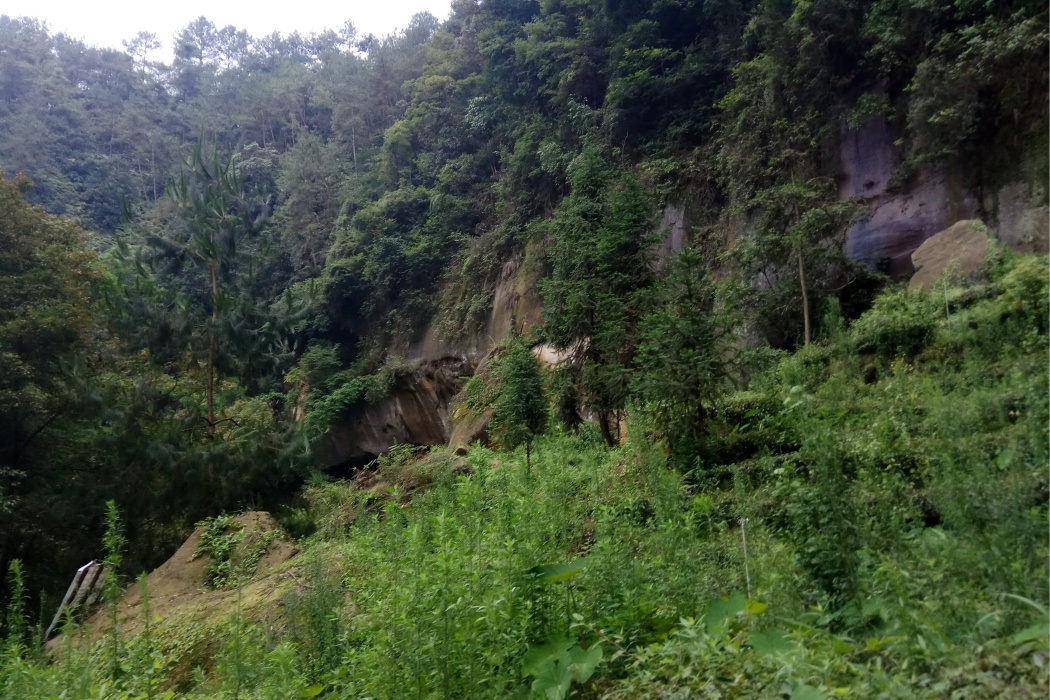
(603, 422)
(211, 354)
(805, 297)
(211, 384)
(210, 429)
(353, 143)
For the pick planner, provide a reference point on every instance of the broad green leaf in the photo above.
(555, 646)
(312, 691)
(771, 642)
(753, 607)
(807, 692)
(1034, 632)
(552, 680)
(663, 626)
(721, 609)
(584, 661)
(873, 607)
(841, 647)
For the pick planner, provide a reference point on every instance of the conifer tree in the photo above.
(521, 410)
(219, 217)
(796, 256)
(686, 354)
(602, 258)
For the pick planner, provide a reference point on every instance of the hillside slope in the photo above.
(869, 519)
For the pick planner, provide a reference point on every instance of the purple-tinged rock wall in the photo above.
(898, 221)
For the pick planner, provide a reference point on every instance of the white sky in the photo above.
(107, 23)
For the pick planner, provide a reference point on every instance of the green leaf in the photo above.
(662, 626)
(721, 609)
(312, 691)
(753, 607)
(552, 680)
(550, 573)
(1041, 629)
(841, 647)
(584, 661)
(555, 646)
(1027, 601)
(807, 692)
(771, 642)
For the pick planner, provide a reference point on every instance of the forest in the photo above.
(699, 419)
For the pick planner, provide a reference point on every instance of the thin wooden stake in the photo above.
(747, 572)
(947, 314)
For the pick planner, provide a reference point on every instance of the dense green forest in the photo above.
(759, 467)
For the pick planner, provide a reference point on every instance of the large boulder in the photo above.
(963, 247)
(468, 427)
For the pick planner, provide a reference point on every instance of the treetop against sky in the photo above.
(123, 19)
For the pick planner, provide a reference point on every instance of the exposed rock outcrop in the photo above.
(470, 428)
(902, 217)
(1022, 222)
(417, 412)
(899, 219)
(672, 228)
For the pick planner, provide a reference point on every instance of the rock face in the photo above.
(963, 246)
(470, 429)
(416, 412)
(1022, 223)
(672, 228)
(899, 220)
(902, 217)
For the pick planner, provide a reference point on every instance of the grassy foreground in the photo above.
(891, 484)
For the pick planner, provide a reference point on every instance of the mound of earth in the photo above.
(179, 598)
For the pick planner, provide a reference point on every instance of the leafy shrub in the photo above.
(232, 552)
(823, 517)
(313, 613)
(901, 323)
(807, 368)
(370, 388)
(480, 392)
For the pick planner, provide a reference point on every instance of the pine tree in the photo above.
(219, 218)
(686, 354)
(521, 410)
(602, 256)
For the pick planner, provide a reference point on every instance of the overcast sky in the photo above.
(107, 23)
